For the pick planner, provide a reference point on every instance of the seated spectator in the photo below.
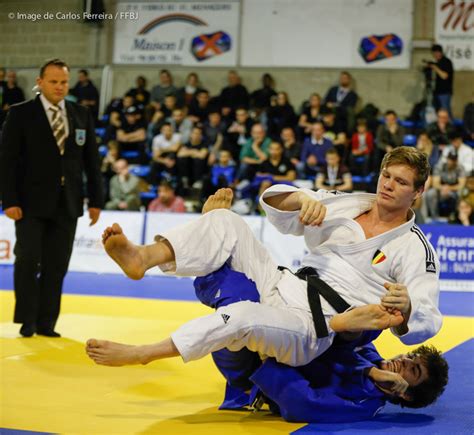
(131, 135)
(464, 152)
(213, 131)
(140, 95)
(440, 130)
(192, 160)
(153, 129)
(86, 93)
(124, 189)
(280, 115)
(276, 169)
(362, 146)
(200, 107)
(464, 214)
(108, 164)
(390, 135)
(233, 95)
(343, 99)
(313, 154)
(166, 87)
(332, 124)
(334, 176)
(169, 104)
(448, 180)
(343, 147)
(425, 145)
(310, 114)
(164, 148)
(181, 124)
(468, 119)
(167, 200)
(238, 133)
(253, 153)
(188, 92)
(222, 175)
(12, 93)
(292, 149)
(116, 111)
(467, 192)
(260, 99)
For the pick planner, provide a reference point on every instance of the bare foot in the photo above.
(221, 199)
(366, 318)
(108, 353)
(127, 255)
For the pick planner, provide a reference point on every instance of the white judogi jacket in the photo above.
(356, 267)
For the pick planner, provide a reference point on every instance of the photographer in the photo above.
(444, 71)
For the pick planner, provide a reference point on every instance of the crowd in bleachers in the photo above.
(167, 146)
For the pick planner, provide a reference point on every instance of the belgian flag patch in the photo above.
(378, 257)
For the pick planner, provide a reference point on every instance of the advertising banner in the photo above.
(454, 30)
(190, 33)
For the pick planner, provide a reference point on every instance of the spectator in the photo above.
(280, 114)
(468, 119)
(444, 71)
(169, 104)
(3, 85)
(222, 174)
(200, 108)
(464, 152)
(343, 99)
(192, 160)
(233, 95)
(314, 150)
(448, 180)
(166, 87)
(154, 126)
(164, 148)
(86, 93)
(167, 200)
(253, 153)
(332, 123)
(131, 135)
(343, 147)
(467, 192)
(188, 92)
(261, 98)
(214, 129)
(362, 146)
(239, 132)
(464, 214)
(108, 165)
(310, 114)
(390, 135)
(12, 93)
(425, 144)
(277, 168)
(334, 176)
(181, 124)
(292, 148)
(440, 130)
(124, 189)
(140, 95)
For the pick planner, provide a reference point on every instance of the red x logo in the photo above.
(380, 46)
(209, 44)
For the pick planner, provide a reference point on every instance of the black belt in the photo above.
(316, 288)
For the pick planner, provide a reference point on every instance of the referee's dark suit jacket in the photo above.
(49, 188)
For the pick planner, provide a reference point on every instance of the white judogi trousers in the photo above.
(280, 326)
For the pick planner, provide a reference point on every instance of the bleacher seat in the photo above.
(100, 132)
(458, 122)
(407, 124)
(470, 143)
(409, 140)
(103, 150)
(140, 171)
(130, 155)
(151, 194)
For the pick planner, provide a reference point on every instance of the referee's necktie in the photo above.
(59, 129)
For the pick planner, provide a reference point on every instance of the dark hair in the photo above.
(411, 157)
(428, 391)
(85, 72)
(455, 134)
(390, 112)
(332, 150)
(166, 184)
(436, 47)
(166, 124)
(362, 121)
(56, 62)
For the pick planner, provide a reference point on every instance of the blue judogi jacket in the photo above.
(333, 388)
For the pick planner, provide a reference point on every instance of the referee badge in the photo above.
(378, 257)
(80, 136)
